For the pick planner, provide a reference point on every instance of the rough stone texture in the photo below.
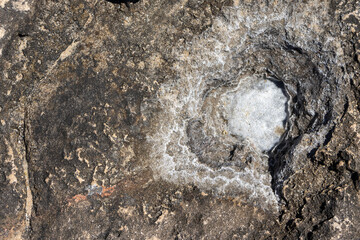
(95, 95)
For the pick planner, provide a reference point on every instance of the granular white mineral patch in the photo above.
(257, 113)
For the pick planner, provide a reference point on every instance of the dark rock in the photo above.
(114, 120)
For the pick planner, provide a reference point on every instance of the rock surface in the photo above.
(114, 119)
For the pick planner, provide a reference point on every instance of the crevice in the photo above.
(328, 136)
(320, 224)
(313, 122)
(232, 153)
(291, 48)
(126, 2)
(346, 107)
(311, 154)
(24, 136)
(355, 179)
(328, 115)
(278, 165)
(26, 160)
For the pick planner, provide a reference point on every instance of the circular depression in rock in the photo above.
(219, 118)
(257, 112)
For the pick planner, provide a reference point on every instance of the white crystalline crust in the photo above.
(210, 56)
(171, 157)
(258, 113)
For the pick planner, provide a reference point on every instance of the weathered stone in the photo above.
(114, 120)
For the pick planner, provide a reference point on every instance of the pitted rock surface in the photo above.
(126, 119)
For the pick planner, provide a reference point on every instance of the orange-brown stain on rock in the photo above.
(75, 199)
(130, 185)
(107, 191)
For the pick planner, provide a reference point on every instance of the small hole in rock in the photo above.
(21, 35)
(123, 1)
